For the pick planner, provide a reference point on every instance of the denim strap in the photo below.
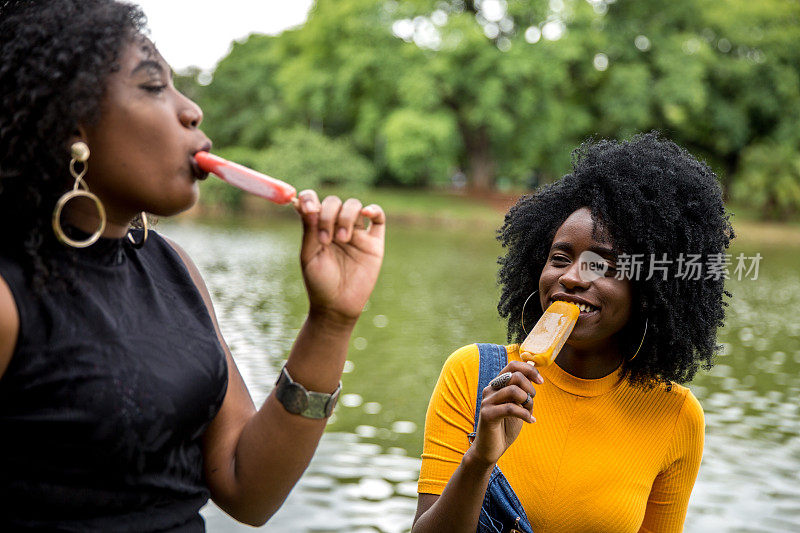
(501, 508)
(493, 357)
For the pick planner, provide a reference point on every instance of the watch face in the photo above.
(293, 397)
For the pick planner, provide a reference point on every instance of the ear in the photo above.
(78, 135)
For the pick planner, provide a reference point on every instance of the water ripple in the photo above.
(363, 476)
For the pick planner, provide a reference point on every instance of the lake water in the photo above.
(436, 293)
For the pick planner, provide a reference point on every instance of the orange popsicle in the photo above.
(549, 334)
(247, 179)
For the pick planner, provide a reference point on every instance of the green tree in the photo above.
(770, 179)
(308, 159)
(244, 104)
(505, 88)
(421, 149)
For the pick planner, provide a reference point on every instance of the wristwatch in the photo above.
(298, 401)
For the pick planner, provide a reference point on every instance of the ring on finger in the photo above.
(500, 381)
(528, 399)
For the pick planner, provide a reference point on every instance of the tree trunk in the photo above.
(480, 161)
(731, 164)
(480, 164)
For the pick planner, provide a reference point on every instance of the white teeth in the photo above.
(585, 308)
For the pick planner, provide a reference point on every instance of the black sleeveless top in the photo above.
(107, 395)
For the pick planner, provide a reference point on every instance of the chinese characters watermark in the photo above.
(690, 267)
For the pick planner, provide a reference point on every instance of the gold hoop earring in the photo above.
(640, 343)
(522, 314)
(139, 244)
(80, 154)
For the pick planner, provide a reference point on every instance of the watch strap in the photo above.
(299, 401)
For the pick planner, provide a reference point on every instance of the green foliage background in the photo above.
(409, 92)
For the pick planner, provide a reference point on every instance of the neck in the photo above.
(83, 215)
(590, 362)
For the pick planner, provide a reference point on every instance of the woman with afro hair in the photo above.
(616, 442)
(121, 408)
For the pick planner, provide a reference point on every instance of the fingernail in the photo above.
(533, 420)
(307, 205)
(341, 234)
(539, 379)
(323, 235)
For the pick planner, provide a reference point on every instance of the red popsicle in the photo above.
(247, 179)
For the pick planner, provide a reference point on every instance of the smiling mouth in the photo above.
(586, 309)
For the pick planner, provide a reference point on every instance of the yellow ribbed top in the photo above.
(603, 456)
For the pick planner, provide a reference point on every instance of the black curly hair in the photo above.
(55, 57)
(649, 196)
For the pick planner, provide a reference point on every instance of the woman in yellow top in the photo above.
(616, 443)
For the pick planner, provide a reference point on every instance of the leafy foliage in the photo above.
(420, 149)
(506, 88)
(770, 179)
(309, 160)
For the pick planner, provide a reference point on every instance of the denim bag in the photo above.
(501, 511)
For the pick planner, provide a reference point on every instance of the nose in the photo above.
(190, 113)
(571, 278)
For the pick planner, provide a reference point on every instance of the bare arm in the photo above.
(459, 506)
(9, 326)
(502, 413)
(253, 458)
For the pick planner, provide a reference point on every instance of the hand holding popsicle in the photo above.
(339, 257)
(507, 403)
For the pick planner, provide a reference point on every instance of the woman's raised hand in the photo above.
(340, 258)
(507, 402)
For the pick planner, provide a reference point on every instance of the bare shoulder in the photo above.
(9, 325)
(194, 272)
(187, 260)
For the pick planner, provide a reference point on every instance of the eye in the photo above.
(559, 259)
(155, 89)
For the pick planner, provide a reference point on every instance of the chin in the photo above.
(177, 203)
(583, 339)
(190, 201)
(172, 209)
